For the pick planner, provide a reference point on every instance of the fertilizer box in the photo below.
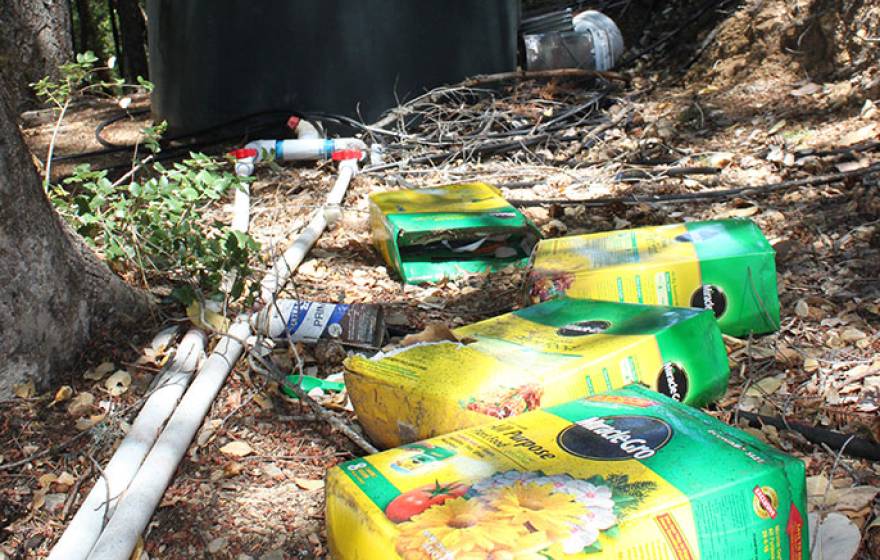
(725, 265)
(629, 474)
(542, 355)
(430, 234)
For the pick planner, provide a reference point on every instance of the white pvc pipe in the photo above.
(299, 149)
(85, 527)
(307, 146)
(294, 255)
(305, 129)
(145, 492)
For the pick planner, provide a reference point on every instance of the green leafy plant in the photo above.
(154, 225)
(149, 221)
(74, 76)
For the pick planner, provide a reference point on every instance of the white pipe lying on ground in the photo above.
(277, 276)
(85, 527)
(133, 513)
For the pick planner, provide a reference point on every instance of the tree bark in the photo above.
(89, 36)
(55, 294)
(133, 29)
(35, 39)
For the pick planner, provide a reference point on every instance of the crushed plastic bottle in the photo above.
(595, 44)
(353, 324)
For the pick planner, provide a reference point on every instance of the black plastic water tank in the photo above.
(214, 60)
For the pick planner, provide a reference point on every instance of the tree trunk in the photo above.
(89, 34)
(55, 294)
(35, 39)
(133, 29)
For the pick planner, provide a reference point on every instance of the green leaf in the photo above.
(189, 193)
(612, 532)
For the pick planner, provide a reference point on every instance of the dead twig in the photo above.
(543, 74)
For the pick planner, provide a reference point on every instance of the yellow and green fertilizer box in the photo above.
(629, 474)
(430, 234)
(542, 355)
(723, 265)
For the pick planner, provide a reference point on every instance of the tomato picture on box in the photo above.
(542, 355)
(626, 474)
(724, 265)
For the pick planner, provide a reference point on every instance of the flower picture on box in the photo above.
(513, 514)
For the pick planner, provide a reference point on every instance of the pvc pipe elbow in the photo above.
(244, 167)
(306, 130)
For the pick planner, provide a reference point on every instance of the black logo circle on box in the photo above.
(684, 238)
(615, 438)
(583, 328)
(673, 381)
(710, 297)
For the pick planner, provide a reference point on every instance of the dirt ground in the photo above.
(764, 91)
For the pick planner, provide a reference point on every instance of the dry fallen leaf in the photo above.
(99, 372)
(777, 127)
(836, 537)
(25, 390)
(435, 332)
(46, 480)
(207, 432)
(855, 498)
(738, 212)
(802, 309)
(64, 481)
(852, 335)
(83, 424)
(720, 159)
(786, 355)
(80, 404)
(62, 394)
(207, 319)
(308, 484)
(808, 89)
(118, 383)
(263, 401)
(811, 365)
(867, 132)
(236, 449)
(232, 469)
(766, 386)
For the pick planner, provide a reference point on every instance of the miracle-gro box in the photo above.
(539, 356)
(723, 265)
(626, 474)
(430, 234)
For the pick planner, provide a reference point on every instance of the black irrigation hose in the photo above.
(855, 446)
(114, 148)
(110, 148)
(116, 118)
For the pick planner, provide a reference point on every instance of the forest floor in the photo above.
(768, 91)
